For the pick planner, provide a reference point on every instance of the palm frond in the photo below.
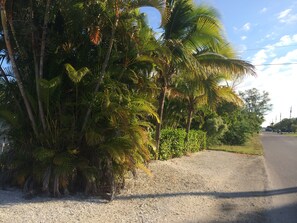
(9, 117)
(217, 63)
(179, 20)
(76, 75)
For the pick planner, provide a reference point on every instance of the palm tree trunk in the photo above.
(43, 38)
(13, 33)
(46, 180)
(56, 190)
(103, 71)
(189, 122)
(41, 62)
(40, 107)
(160, 113)
(14, 66)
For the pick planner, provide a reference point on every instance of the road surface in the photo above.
(280, 152)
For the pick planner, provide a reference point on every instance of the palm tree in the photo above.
(197, 92)
(88, 65)
(187, 28)
(205, 87)
(117, 8)
(9, 47)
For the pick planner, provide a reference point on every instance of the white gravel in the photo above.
(205, 187)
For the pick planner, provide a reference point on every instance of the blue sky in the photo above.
(263, 32)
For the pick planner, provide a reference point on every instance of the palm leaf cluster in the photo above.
(86, 85)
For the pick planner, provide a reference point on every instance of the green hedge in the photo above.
(172, 143)
(196, 142)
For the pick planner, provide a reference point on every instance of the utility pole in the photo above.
(291, 112)
(280, 117)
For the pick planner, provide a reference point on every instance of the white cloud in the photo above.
(269, 50)
(270, 35)
(241, 48)
(287, 40)
(278, 80)
(287, 16)
(246, 27)
(243, 37)
(263, 10)
(284, 13)
(260, 57)
(288, 58)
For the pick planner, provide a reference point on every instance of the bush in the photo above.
(173, 143)
(239, 131)
(215, 128)
(235, 137)
(196, 142)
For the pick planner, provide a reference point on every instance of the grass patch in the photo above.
(290, 134)
(252, 147)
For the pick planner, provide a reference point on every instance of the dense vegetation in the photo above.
(86, 88)
(285, 125)
(173, 143)
(243, 123)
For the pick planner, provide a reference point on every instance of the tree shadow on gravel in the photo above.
(283, 214)
(13, 196)
(247, 194)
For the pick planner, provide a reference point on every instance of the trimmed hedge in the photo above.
(172, 143)
(196, 142)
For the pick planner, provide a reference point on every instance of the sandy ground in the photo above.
(205, 187)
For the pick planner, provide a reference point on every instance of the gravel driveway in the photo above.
(205, 187)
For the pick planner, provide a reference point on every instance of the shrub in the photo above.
(215, 128)
(173, 143)
(238, 133)
(196, 142)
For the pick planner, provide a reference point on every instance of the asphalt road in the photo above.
(280, 152)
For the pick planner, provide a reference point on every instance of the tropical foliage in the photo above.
(173, 142)
(243, 123)
(85, 85)
(285, 125)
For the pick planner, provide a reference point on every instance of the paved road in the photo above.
(280, 154)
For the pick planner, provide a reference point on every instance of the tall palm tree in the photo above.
(206, 91)
(205, 87)
(11, 54)
(117, 8)
(82, 60)
(186, 28)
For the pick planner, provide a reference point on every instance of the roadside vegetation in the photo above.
(287, 125)
(253, 146)
(88, 91)
(292, 134)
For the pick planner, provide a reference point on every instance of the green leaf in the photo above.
(76, 75)
(43, 154)
(9, 117)
(93, 138)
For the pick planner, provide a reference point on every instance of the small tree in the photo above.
(256, 102)
(294, 128)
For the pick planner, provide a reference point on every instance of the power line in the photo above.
(275, 64)
(267, 48)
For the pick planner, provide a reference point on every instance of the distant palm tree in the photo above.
(186, 28)
(204, 87)
(207, 91)
(192, 40)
